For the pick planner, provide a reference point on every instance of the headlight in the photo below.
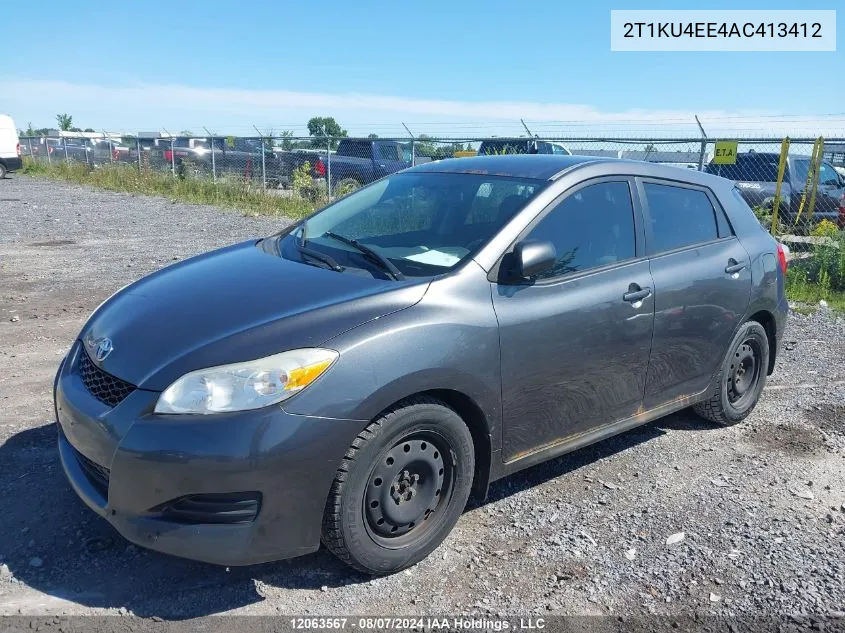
(250, 385)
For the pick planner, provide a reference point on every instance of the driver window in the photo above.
(591, 227)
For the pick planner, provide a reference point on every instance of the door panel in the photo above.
(697, 309)
(574, 355)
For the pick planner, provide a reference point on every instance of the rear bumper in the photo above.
(12, 164)
(150, 460)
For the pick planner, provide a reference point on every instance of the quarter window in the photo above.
(679, 217)
(590, 228)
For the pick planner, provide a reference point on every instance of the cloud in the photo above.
(138, 106)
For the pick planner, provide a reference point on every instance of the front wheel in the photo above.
(741, 378)
(3, 171)
(400, 488)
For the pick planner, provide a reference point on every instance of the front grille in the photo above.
(104, 387)
(97, 475)
(236, 507)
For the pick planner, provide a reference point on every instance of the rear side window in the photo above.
(749, 168)
(354, 149)
(388, 151)
(679, 217)
(590, 228)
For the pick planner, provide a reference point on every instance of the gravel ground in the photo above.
(675, 517)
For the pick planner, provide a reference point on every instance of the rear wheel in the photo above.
(3, 170)
(400, 488)
(741, 378)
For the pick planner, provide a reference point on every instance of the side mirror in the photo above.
(533, 257)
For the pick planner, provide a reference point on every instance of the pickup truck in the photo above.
(357, 162)
(756, 174)
(238, 157)
(521, 146)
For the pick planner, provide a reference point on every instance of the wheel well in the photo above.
(476, 422)
(766, 319)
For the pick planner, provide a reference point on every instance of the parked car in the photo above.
(521, 146)
(756, 175)
(239, 157)
(10, 147)
(355, 163)
(355, 376)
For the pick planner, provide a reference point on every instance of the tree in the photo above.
(88, 129)
(319, 127)
(373, 136)
(64, 121)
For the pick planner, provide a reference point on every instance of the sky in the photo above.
(459, 68)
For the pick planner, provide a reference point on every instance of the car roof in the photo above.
(534, 166)
(552, 166)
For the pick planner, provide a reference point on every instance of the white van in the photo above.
(10, 147)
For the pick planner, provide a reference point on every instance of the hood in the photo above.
(234, 304)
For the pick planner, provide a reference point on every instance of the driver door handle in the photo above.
(734, 266)
(636, 293)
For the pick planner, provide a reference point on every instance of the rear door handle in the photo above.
(635, 293)
(734, 266)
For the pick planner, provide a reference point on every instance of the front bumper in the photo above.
(151, 460)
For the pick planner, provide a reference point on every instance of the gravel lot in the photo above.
(757, 510)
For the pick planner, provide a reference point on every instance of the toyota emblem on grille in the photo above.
(104, 348)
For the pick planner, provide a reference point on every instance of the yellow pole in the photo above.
(812, 181)
(784, 151)
(817, 163)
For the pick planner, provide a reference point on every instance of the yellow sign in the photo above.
(465, 154)
(725, 153)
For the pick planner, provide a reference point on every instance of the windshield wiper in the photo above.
(374, 256)
(328, 260)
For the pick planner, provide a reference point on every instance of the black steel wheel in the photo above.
(741, 378)
(406, 488)
(400, 488)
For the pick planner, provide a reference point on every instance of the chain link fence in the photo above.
(792, 185)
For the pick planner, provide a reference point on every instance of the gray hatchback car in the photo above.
(355, 377)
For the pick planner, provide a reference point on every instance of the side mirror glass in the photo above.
(534, 257)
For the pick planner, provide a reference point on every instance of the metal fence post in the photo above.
(111, 149)
(47, 150)
(263, 165)
(703, 154)
(172, 159)
(64, 145)
(213, 161)
(329, 167)
(138, 146)
(29, 142)
(413, 153)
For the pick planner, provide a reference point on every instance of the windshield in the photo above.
(423, 223)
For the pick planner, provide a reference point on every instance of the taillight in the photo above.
(320, 168)
(18, 148)
(782, 258)
(168, 155)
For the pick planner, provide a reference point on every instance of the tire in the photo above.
(3, 171)
(741, 377)
(401, 487)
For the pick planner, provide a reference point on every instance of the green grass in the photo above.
(242, 196)
(799, 290)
